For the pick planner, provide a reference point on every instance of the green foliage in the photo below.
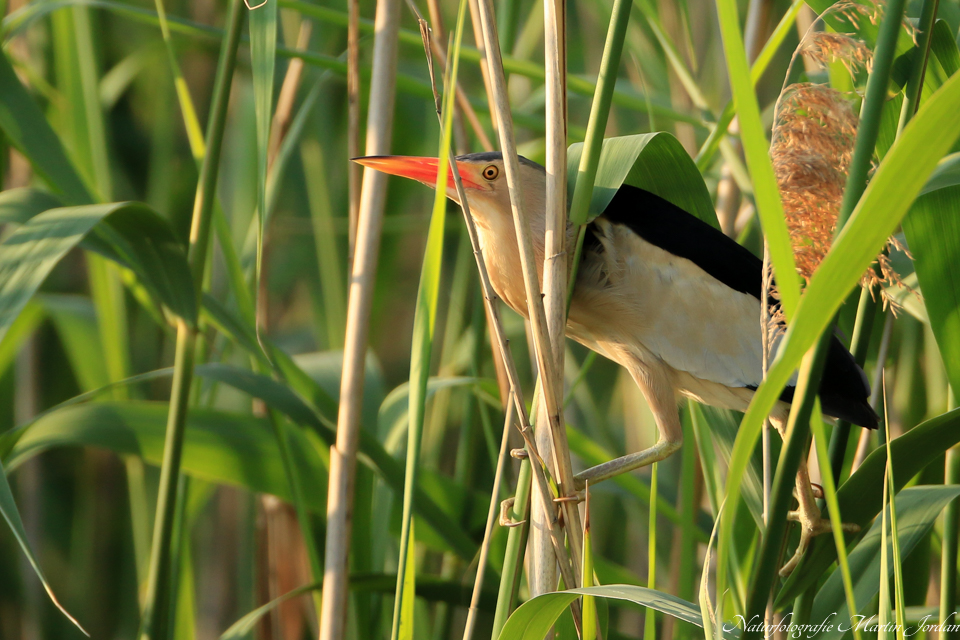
(917, 510)
(534, 618)
(655, 162)
(100, 113)
(130, 234)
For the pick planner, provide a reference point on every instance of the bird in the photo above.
(660, 292)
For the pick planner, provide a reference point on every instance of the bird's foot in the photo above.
(812, 524)
(815, 489)
(505, 519)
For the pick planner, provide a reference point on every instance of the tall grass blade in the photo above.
(708, 150)
(830, 495)
(27, 129)
(898, 180)
(756, 148)
(155, 621)
(424, 322)
(190, 120)
(10, 513)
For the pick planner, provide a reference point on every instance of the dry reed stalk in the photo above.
(503, 349)
(354, 171)
(484, 61)
(288, 93)
(545, 361)
(343, 455)
(503, 345)
(555, 273)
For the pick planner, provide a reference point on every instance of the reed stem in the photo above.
(155, 623)
(343, 455)
(545, 362)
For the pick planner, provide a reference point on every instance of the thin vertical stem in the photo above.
(353, 121)
(545, 362)
(488, 530)
(343, 455)
(155, 619)
(911, 94)
(599, 112)
(543, 562)
(649, 616)
(951, 542)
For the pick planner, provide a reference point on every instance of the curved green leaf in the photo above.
(655, 162)
(19, 205)
(917, 509)
(901, 175)
(10, 513)
(131, 234)
(860, 497)
(932, 230)
(533, 619)
(24, 124)
(227, 448)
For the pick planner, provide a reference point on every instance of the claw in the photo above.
(810, 526)
(817, 491)
(505, 519)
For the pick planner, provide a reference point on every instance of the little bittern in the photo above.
(662, 293)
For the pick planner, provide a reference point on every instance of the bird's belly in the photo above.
(667, 309)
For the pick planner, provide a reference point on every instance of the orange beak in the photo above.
(416, 168)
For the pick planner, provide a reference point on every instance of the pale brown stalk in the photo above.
(545, 360)
(343, 455)
(503, 346)
(288, 94)
(555, 284)
(484, 60)
(354, 171)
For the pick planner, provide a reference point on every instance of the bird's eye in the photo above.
(491, 172)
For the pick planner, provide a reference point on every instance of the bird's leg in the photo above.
(661, 398)
(807, 514)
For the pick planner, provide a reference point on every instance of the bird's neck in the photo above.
(501, 254)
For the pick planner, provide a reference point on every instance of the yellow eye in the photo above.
(491, 172)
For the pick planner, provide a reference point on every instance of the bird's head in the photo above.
(484, 181)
